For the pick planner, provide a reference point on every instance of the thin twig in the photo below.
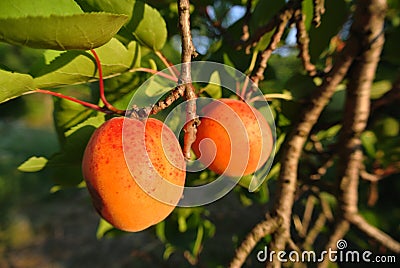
(319, 10)
(244, 88)
(286, 10)
(185, 80)
(321, 171)
(341, 228)
(315, 230)
(307, 215)
(275, 39)
(326, 208)
(245, 28)
(373, 193)
(368, 176)
(303, 42)
(292, 245)
(262, 229)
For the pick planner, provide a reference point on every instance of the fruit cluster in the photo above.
(128, 164)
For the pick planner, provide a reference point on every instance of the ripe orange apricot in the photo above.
(233, 138)
(125, 161)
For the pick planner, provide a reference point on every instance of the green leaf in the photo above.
(390, 51)
(145, 24)
(387, 127)
(369, 141)
(55, 24)
(329, 133)
(156, 86)
(74, 67)
(379, 88)
(334, 110)
(113, 6)
(78, 31)
(214, 86)
(331, 23)
(263, 13)
(103, 228)
(300, 86)
(33, 164)
(186, 229)
(182, 226)
(68, 114)
(13, 85)
(160, 231)
(94, 121)
(22, 8)
(308, 12)
(148, 26)
(264, 41)
(65, 166)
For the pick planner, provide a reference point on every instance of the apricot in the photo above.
(233, 138)
(134, 172)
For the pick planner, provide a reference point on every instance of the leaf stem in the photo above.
(160, 73)
(84, 103)
(173, 70)
(101, 86)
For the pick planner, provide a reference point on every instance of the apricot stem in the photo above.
(244, 88)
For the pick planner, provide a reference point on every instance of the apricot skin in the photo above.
(232, 120)
(115, 193)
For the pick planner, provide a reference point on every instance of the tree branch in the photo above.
(357, 105)
(368, 25)
(374, 233)
(287, 181)
(185, 79)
